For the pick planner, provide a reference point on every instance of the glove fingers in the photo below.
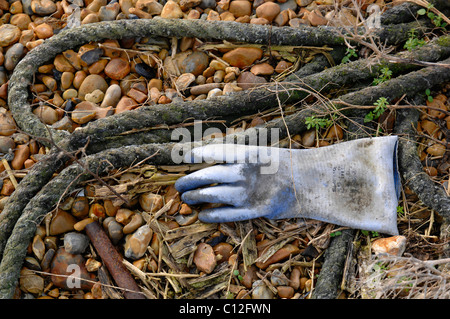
(228, 214)
(210, 175)
(221, 194)
(228, 153)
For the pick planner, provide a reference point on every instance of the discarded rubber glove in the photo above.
(354, 184)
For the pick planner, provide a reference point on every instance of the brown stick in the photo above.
(113, 261)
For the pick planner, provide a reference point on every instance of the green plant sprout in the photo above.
(385, 75)
(428, 94)
(380, 107)
(370, 233)
(317, 123)
(413, 42)
(435, 18)
(349, 53)
(400, 211)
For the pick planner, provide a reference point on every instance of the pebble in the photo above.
(73, 270)
(242, 57)
(394, 245)
(262, 69)
(248, 80)
(80, 207)
(309, 138)
(117, 68)
(151, 202)
(21, 154)
(21, 20)
(38, 247)
(62, 64)
(145, 70)
(136, 244)
(112, 96)
(9, 34)
(195, 63)
(46, 114)
(280, 255)
(205, 88)
(285, 292)
(204, 258)
(7, 123)
(43, 31)
(222, 251)
(109, 12)
(61, 223)
(171, 10)
(32, 263)
(261, 291)
(240, 8)
(294, 279)
(278, 278)
(91, 83)
(184, 81)
(268, 10)
(115, 231)
(95, 97)
(125, 104)
(214, 93)
(6, 144)
(43, 7)
(75, 242)
(92, 56)
(84, 112)
(30, 282)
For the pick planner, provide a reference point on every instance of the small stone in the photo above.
(115, 231)
(61, 222)
(30, 282)
(75, 243)
(231, 88)
(98, 67)
(185, 220)
(205, 88)
(6, 144)
(282, 66)
(222, 251)
(248, 80)
(294, 279)
(112, 96)
(194, 62)
(261, 291)
(309, 138)
(136, 245)
(145, 70)
(97, 211)
(204, 4)
(171, 10)
(117, 68)
(188, 4)
(137, 95)
(92, 56)
(304, 3)
(204, 258)
(282, 18)
(242, 57)
(31, 263)
(262, 69)
(151, 202)
(109, 12)
(285, 292)
(136, 221)
(151, 7)
(278, 278)
(184, 81)
(279, 255)
(9, 34)
(43, 31)
(95, 97)
(80, 207)
(21, 154)
(13, 55)
(394, 245)
(38, 247)
(92, 265)
(316, 18)
(43, 7)
(66, 80)
(124, 215)
(78, 79)
(268, 10)
(21, 20)
(91, 83)
(126, 103)
(84, 112)
(69, 94)
(71, 271)
(62, 64)
(7, 123)
(15, 7)
(240, 8)
(214, 93)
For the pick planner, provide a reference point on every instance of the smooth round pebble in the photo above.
(75, 243)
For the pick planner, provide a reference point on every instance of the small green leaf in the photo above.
(430, 98)
(422, 12)
(427, 92)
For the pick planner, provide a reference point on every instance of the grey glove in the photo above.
(354, 184)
